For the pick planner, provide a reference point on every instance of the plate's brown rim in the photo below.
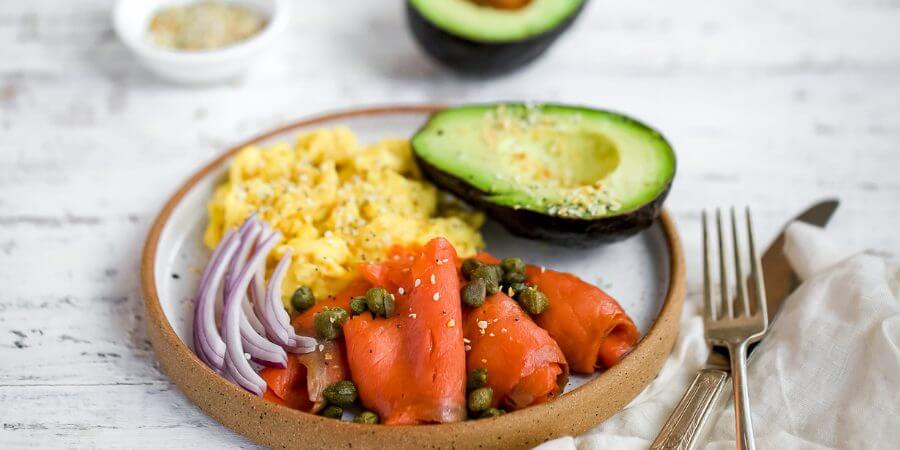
(255, 417)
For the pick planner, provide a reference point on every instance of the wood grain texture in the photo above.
(772, 104)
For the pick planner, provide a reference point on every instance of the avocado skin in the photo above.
(481, 58)
(563, 231)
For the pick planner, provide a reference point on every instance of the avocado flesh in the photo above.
(466, 19)
(562, 161)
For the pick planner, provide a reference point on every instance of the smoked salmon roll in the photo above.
(410, 368)
(590, 327)
(302, 384)
(525, 365)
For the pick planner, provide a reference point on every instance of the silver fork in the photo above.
(735, 327)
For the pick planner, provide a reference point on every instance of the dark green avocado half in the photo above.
(569, 175)
(481, 40)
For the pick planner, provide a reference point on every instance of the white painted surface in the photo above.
(774, 104)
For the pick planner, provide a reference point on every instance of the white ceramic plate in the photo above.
(635, 272)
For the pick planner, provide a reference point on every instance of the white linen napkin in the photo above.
(826, 376)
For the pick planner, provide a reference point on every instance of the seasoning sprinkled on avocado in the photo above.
(571, 175)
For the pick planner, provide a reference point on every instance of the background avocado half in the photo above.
(476, 39)
(569, 175)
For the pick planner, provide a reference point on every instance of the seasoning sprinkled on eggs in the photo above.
(337, 203)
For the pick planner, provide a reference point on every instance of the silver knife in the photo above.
(686, 423)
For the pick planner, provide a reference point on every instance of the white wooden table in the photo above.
(769, 103)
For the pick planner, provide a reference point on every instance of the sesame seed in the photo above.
(483, 360)
(412, 316)
(467, 341)
(433, 279)
(401, 291)
(491, 334)
(451, 323)
(503, 330)
(468, 347)
(436, 296)
(417, 283)
(321, 347)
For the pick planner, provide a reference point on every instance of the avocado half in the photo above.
(569, 175)
(477, 39)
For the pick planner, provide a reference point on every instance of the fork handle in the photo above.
(682, 429)
(743, 427)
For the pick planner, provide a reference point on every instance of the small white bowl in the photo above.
(131, 20)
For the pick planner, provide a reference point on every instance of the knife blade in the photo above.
(684, 426)
(780, 278)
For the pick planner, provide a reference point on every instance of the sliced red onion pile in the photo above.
(260, 332)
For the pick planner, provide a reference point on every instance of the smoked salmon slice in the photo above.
(288, 386)
(301, 384)
(410, 368)
(589, 325)
(525, 365)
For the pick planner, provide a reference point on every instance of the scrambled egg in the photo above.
(337, 204)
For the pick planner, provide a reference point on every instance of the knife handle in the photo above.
(683, 427)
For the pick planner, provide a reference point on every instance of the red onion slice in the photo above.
(276, 319)
(261, 350)
(208, 344)
(260, 332)
(237, 362)
(249, 313)
(258, 285)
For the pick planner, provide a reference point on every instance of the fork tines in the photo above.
(725, 307)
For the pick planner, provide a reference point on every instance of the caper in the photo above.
(512, 265)
(497, 270)
(473, 293)
(513, 277)
(380, 302)
(303, 299)
(470, 265)
(533, 300)
(333, 412)
(513, 270)
(516, 288)
(330, 322)
(477, 378)
(490, 276)
(340, 314)
(366, 417)
(343, 393)
(358, 305)
(480, 399)
(491, 412)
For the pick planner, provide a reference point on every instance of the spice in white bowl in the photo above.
(132, 20)
(205, 25)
